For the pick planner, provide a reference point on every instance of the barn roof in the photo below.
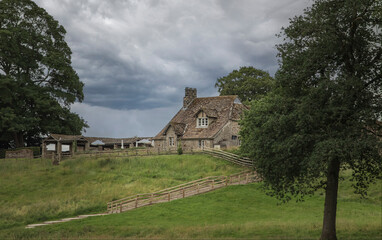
(64, 138)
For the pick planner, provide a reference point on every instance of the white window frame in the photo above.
(202, 122)
(202, 143)
(171, 141)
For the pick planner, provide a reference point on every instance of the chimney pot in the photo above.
(189, 95)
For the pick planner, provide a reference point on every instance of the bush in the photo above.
(2, 153)
(180, 149)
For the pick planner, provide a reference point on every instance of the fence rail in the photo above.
(181, 191)
(246, 162)
(135, 152)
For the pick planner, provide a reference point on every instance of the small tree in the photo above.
(324, 116)
(248, 83)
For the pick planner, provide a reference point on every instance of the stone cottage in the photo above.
(203, 122)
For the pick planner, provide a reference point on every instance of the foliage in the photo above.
(324, 114)
(180, 149)
(235, 212)
(37, 82)
(248, 83)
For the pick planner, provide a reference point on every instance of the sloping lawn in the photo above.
(32, 191)
(233, 212)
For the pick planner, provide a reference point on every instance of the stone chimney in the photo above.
(189, 95)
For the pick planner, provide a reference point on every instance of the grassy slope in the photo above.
(233, 212)
(33, 190)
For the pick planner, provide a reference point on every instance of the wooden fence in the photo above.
(181, 191)
(246, 162)
(135, 152)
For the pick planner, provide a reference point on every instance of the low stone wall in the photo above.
(22, 153)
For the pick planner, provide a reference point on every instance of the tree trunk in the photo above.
(19, 139)
(330, 210)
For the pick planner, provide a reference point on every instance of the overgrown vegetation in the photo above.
(233, 212)
(33, 190)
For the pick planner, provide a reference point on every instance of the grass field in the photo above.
(34, 191)
(233, 212)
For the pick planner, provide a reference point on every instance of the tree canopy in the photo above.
(248, 83)
(326, 110)
(37, 81)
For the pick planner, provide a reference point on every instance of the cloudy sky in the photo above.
(136, 57)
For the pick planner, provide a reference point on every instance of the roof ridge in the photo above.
(226, 96)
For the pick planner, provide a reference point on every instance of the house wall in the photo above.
(224, 137)
(193, 144)
(171, 134)
(187, 144)
(164, 144)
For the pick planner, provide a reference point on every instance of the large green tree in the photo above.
(248, 83)
(37, 81)
(325, 114)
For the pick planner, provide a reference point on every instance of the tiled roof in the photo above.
(219, 109)
(115, 140)
(63, 137)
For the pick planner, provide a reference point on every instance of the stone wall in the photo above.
(22, 153)
(224, 138)
(193, 144)
(187, 144)
(189, 95)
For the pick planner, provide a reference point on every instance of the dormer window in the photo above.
(202, 120)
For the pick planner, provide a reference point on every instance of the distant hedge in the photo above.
(36, 151)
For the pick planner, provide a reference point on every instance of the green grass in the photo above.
(233, 212)
(33, 191)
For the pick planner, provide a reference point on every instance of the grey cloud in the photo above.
(139, 55)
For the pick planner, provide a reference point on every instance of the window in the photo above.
(203, 122)
(171, 141)
(201, 143)
(234, 137)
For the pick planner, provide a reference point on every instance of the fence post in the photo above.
(151, 199)
(239, 178)
(226, 180)
(246, 178)
(168, 196)
(213, 181)
(120, 207)
(183, 192)
(136, 202)
(198, 188)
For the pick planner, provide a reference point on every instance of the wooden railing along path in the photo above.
(181, 191)
(243, 161)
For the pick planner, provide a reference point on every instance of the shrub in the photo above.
(180, 149)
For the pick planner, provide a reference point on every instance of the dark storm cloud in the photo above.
(138, 56)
